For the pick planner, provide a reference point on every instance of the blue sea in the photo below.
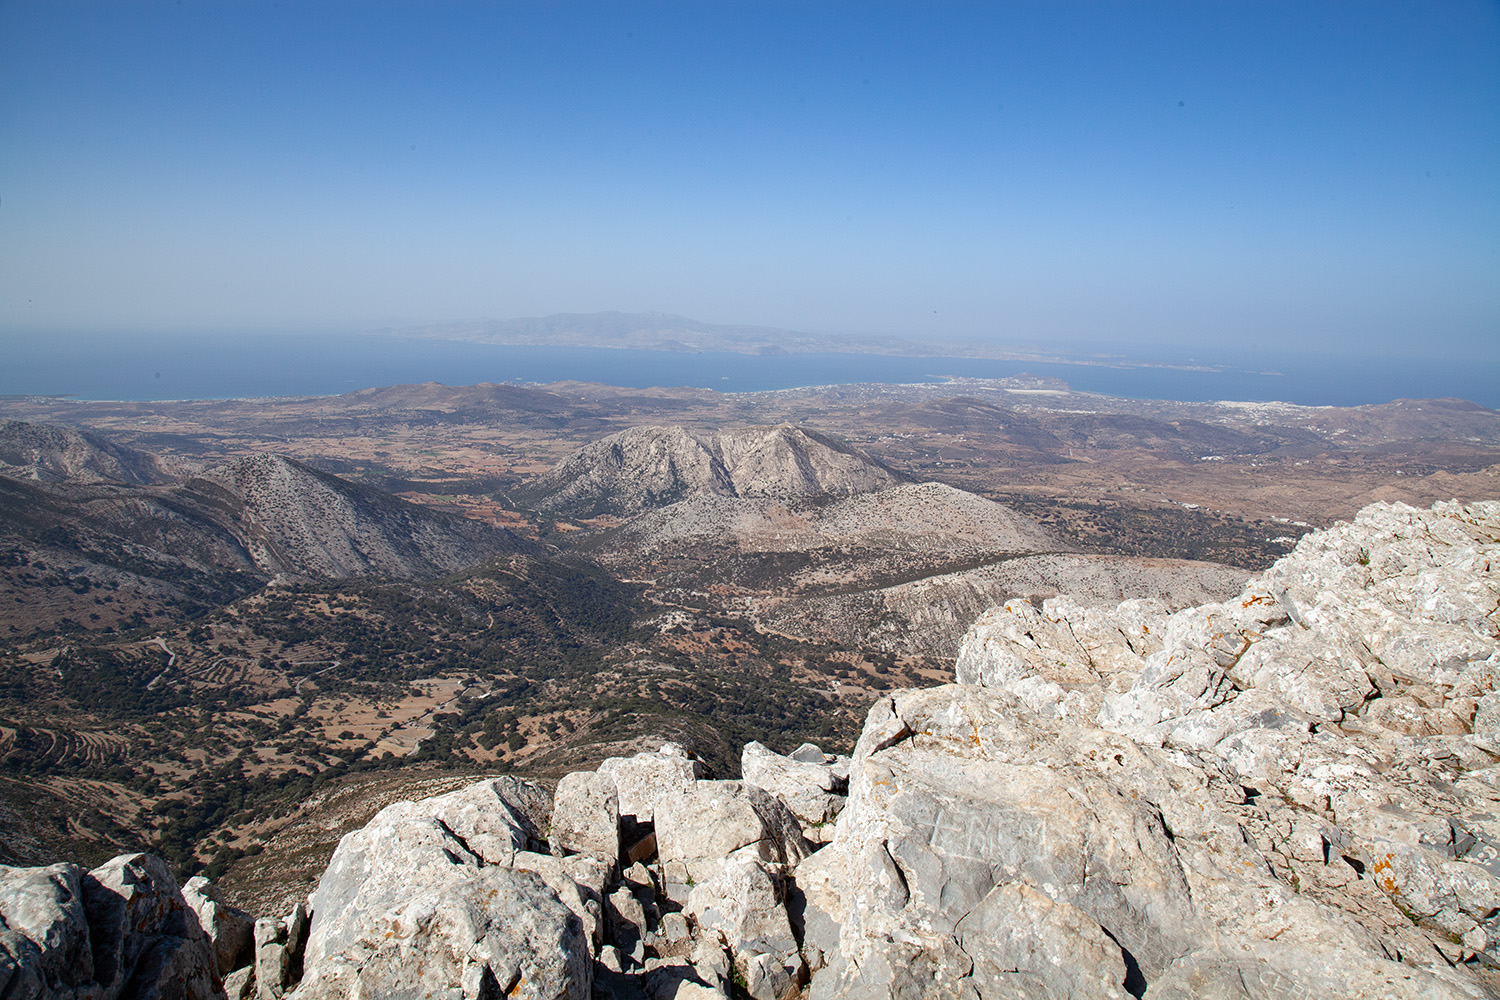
(150, 367)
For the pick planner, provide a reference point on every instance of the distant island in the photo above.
(654, 331)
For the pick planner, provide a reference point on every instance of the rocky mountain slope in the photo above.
(52, 454)
(644, 467)
(101, 555)
(905, 569)
(1288, 794)
(295, 520)
(926, 518)
(929, 616)
(98, 556)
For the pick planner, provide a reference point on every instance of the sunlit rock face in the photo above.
(1289, 793)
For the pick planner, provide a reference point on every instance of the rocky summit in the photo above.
(645, 467)
(1289, 794)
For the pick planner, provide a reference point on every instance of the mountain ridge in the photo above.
(652, 466)
(103, 555)
(53, 453)
(298, 521)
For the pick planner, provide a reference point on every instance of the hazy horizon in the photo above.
(182, 366)
(1148, 177)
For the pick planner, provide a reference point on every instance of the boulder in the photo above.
(144, 938)
(240, 984)
(580, 883)
(499, 933)
(674, 979)
(767, 979)
(412, 847)
(586, 816)
(1322, 672)
(640, 779)
(745, 906)
(441, 898)
(123, 930)
(713, 822)
(494, 818)
(298, 924)
(810, 753)
(44, 932)
(273, 964)
(814, 791)
(402, 851)
(231, 929)
(1062, 642)
(627, 920)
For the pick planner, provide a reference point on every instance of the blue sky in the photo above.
(1221, 174)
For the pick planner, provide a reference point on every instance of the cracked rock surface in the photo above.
(1291, 793)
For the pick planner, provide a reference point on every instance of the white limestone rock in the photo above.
(499, 933)
(1017, 641)
(1304, 776)
(626, 919)
(496, 817)
(143, 935)
(580, 883)
(639, 780)
(1013, 938)
(766, 978)
(240, 984)
(675, 979)
(403, 850)
(814, 790)
(810, 753)
(713, 822)
(44, 932)
(745, 906)
(273, 965)
(1002, 852)
(935, 824)
(231, 929)
(1322, 673)
(435, 897)
(122, 930)
(586, 816)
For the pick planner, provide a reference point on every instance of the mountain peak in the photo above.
(653, 466)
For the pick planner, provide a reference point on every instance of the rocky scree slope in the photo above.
(295, 520)
(905, 569)
(920, 519)
(644, 467)
(53, 454)
(173, 551)
(1288, 794)
(930, 616)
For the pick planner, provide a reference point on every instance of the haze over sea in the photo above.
(182, 366)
